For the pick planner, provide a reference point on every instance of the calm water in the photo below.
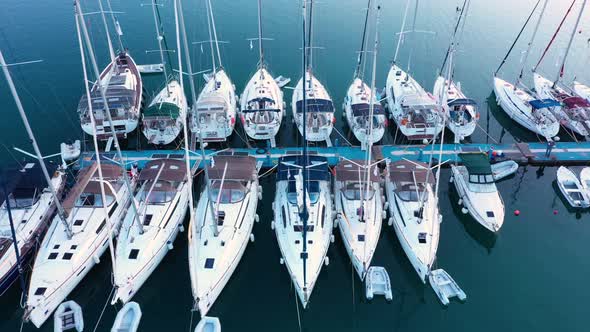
(531, 277)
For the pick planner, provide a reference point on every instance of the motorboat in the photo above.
(571, 188)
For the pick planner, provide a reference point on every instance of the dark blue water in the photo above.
(530, 277)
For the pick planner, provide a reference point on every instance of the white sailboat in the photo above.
(575, 112)
(319, 119)
(413, 207)
(28, 200)
(475, 184)
(225, 215)
(414, 110)
(124, 89)
(214, 117)
(262, 108)
(162, 197)
(359, 99)
(162, 121)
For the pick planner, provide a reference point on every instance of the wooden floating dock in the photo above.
(563, 153)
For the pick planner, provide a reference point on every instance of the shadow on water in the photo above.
(477, 232)
(517, 131)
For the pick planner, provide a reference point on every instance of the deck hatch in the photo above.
(209, 262)
(134, 253)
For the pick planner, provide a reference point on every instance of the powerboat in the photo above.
(145, 237)
(414, 212)
(460, 112)
(572, 189)
(475, 184)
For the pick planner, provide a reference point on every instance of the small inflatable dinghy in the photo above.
(208, 324)
(282, 81)
(377, 283)
(445, 287)
(128, 318)
(70, 151)
(151, 69)
(503, 169)
(68, 316)
(571, 188)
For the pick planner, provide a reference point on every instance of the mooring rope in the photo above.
(297, 306)
(103, 309)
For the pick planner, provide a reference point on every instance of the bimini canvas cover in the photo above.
(405, 171)
(476, 163)
(315, 105)
(238, 168)
(23, 182)
(462, 102)
(348, 170)
(212, 103)
(110, 172)
(260, 105)
(118, 97)
(544, 103)
(364, 109)
(174, 170)
(317, 168)
(575, 102)
(160, 110)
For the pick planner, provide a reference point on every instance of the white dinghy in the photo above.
(72, 247)
(504, 169)
(477, 190)
(145, 238)
(282, 81)
(70, 151)
(68, 316)
(445, 287)
(154, 68)
(359, 208)
(413, 207)
(208, 324)
(585, 179)
(571, 188)
(128, 318)
(224, 219)
(378, 283)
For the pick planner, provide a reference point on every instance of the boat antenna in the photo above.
(517, 38)
(102, 88)
(401, 33)
(459, 19)
(117, 25)
(304, 213)
(530, 45)
(106, 30)
(412, 45)
(359, 72)
(160, 38)
(19, 265)
(370, 132)
(260, 49)
(569, 45)
(554, 36)
(60, 210)
(210, 27)
(79, 18)
(189, 68)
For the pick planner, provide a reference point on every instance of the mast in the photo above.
(358, 73)
(160, 37)
(60, 210)
(103, 89)
(260, 50)
(106, 30)
(371, 110)
(401, 33)
(189, 68)
(454, 33)
(304, 214)
(117, 26)
(214, 68)
(79, 18)
(214, 32)
(569, 45)
(530, 45)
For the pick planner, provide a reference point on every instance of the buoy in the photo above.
(181, 228)
(251, 237)
(332, 238)
(390, 222)
(170, 246)
(272, 225)
(257, 218)
(464, 210)
(425, 141)
(96, 259)
(386, 206)
(383, 214)
(554, 211)
(327, 261)
(460, 202)
(282, 261)
(517, 212)
(451, 179)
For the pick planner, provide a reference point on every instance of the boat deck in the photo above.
(564, 153)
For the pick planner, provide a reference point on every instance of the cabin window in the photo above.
(422, 238)
(490, 214)
(361, 237)
(101, 226)
(284, 217)
(323, 215)
(297, 241)
(67, 256)
(353, 191)
(74, 247)
(56, 246)
(148, 219)
(209, 262)
(40, 291)
(78, 222)
(299, 228)
(90, 199)
(52, 256)
(133, 253)
(309, 241)
(231, 192)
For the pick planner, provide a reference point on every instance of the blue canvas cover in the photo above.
(315, 173)
(462, 101)
(364, 109)
(23, 182)
(315, 105)
(544, 103)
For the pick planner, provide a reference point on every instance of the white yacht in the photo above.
(124, 96)
(303, 244)
(162, 120)
(414, 212)
(475, 184)
(319, 111)
(262, 106)
(32, 205)
(63, 261)
(575, 112)
(222, 227)
(412, 108)
(533, 114)
(145, 238)
(460, 111)
(359, 209)
(357, 112)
